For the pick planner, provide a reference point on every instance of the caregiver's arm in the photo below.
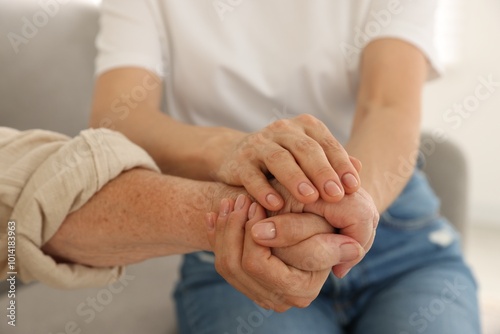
(385, 134)
(300, 153)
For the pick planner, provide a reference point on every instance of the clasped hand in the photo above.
(281, 259)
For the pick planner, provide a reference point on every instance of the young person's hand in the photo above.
(300, 153)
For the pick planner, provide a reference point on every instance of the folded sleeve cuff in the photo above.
(63, 183)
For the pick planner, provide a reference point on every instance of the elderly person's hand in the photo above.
(354, 216)
(304, 241)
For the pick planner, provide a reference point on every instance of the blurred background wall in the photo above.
(469, 43)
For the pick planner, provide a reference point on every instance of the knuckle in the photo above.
(291, 177)
(226, 172)
(309, 263)
(300, 299)
(330, 143)
(255, 139)
(324, 171)
(305, 145)
(324, 242)
(277, 155)
(249, 175)
(323, 249)
(279, 125)
(248, 153)
(277, 296)
(294, 230)
(308, 119)
(252, 266)
(342, 165)
(274, 302)
(280, 308)
(225, 268)
(302, 302)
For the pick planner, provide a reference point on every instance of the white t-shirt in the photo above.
(246, 63)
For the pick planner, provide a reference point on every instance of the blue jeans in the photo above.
(413, 280)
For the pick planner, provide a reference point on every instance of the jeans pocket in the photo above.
(416, 207)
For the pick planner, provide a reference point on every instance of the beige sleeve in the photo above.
(44, 176)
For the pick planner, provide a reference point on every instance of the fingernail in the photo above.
(209, 219)
(240, 202)
(273, 200)
(350, 180)
(332, 188)
(251, 210)
(264, 231)
(224, 207)
(305, 189)
(349, 252)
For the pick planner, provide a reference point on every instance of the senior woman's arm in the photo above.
(44, 176)
(85, 206)
(138, 215)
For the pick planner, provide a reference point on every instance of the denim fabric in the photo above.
(413, 280)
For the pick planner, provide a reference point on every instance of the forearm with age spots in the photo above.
(138, 215)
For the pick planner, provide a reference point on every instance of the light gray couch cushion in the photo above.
(47, 72)
(143, 305)
(446, 168)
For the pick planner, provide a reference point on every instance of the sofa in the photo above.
(46, 78)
